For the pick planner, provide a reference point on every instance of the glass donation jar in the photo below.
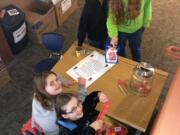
(142, 78)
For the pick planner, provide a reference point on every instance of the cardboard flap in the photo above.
(37, 11)
(39, 7)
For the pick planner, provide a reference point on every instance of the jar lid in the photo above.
(144, 70)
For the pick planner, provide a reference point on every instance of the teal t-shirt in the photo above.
(130, 26)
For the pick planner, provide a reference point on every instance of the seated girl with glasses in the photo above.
(75, 118)
(47, 85)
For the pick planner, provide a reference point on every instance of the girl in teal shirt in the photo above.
(127, 19)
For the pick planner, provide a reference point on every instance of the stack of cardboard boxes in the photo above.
(42, 17)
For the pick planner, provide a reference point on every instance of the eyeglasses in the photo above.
(74, 109)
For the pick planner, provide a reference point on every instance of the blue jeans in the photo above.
(135, 40)
(98, 44)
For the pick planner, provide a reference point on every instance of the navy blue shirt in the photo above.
(93, 21)
(81, 126)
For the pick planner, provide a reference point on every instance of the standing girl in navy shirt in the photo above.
(93, 23)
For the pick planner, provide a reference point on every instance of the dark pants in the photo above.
(134, 43)
(98, 44)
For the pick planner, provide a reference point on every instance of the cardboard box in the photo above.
(19, 3)
(40, 18)
(4, 77)
(64, 8)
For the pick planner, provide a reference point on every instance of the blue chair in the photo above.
(54, 43)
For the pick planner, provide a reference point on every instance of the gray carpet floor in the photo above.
(15, 101)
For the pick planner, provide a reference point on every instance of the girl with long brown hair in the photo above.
(127, 19)
(47, 85)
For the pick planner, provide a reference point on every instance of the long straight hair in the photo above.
(39, 92)
(119, 13)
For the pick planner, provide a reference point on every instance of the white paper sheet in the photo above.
(91, 68)
(65, 5)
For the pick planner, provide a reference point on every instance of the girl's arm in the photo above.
(90, 102)
(147, 13)
(66, 82)
(63, 80)
(111, 26)
(82, 91)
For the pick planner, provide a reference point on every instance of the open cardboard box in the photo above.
(63, 8)
(40, 17)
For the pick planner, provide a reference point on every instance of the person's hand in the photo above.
(70, 82)
(2, 12)
(81, 81)
(145, 29)
(97, 125)
(114, 41)
(102, 97)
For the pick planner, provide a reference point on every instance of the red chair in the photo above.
(28, 130)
